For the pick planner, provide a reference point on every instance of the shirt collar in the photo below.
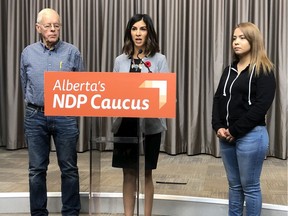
(54, 48)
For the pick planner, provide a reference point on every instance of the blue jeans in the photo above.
(38, 132)
(243, 162)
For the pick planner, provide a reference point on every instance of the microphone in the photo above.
(139, 52)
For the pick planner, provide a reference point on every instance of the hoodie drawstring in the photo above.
(250, 80)
(224, 89)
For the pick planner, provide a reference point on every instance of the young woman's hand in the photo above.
(224, 134)
(229, 137)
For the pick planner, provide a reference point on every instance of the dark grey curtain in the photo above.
(195, 37)
(3, 67)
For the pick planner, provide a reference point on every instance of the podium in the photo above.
(106, 94)
(95, 171)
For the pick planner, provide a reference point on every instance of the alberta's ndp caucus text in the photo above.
(110, 94)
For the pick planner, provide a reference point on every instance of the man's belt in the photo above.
(36, 107)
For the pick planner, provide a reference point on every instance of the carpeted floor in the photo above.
(197, 176)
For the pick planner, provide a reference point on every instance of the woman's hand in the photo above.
(229, 137)
(223, 133)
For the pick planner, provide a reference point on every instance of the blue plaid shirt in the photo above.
(37, 58)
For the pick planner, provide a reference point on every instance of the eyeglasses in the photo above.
(49, 26)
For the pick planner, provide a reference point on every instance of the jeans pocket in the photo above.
(30, 112)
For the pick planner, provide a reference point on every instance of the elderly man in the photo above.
(49, 54)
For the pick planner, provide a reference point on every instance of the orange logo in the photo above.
(110, 94)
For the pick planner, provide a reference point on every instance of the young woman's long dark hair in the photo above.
(151, 45)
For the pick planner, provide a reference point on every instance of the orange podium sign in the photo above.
(108, 94)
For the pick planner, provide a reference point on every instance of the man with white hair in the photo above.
(49, 54)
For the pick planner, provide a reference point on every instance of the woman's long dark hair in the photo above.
(151, 46)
